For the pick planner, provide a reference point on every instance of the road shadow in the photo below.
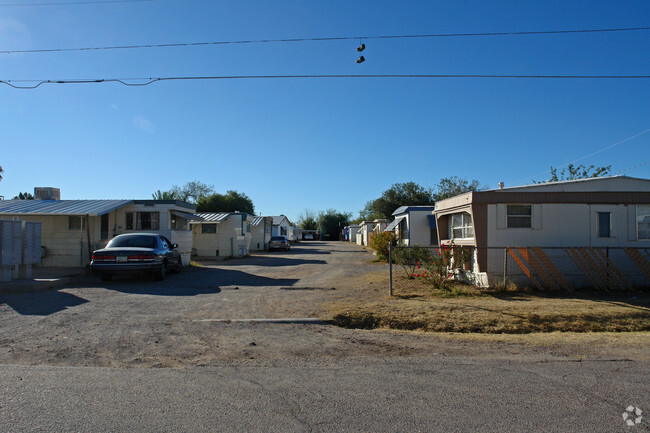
(191, 282)
(41, 303)
(266, 260)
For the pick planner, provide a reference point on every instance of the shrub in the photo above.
(379, 242)
(410, 259)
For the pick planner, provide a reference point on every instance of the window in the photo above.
(178, 223)
(248, 228)
(143, 220)
(208, 228)
(604, 225)
(147, 221)
(519, 216)
(643, 222)
(403, 230)
(75, 223)
(460, 226)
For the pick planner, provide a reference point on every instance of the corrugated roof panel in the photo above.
(213, 217)
(60, 207)
(394, 224)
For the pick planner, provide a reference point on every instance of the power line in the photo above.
(633, 167)
(148, 81)
(72, 3)
(335, 38)
(592, 154)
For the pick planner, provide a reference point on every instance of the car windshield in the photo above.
(133, 241)
(277, 238)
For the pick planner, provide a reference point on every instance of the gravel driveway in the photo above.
(256, 308)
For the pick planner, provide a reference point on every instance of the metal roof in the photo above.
(390, 227)
(213, 217)
(258, 220)
(404, 209)
(187, 216)
(60, 207)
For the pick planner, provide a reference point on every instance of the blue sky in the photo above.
(296, 144)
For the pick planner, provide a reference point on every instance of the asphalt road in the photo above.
(421, 394)
(184, 355)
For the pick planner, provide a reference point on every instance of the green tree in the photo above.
(231, 201)
(164, 195)
(453, 186)
(400, 194)
(331, 222)
(193, 191)
(572, 172)
(307, 220)
(24, 196)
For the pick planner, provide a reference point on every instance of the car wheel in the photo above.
(179, 267)
(106, 277)
(161, 273)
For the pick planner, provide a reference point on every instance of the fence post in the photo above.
(505, 265)
(390, 268)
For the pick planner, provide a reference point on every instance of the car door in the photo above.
(173, 255)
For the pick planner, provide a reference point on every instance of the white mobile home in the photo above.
(281, 226)
(415, 225)
(367, 228)
(591, 225)
(222, 235)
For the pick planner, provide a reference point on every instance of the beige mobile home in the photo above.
(261, 233)
(72, 229)
(222, 235)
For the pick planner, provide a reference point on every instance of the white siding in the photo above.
(565, 225)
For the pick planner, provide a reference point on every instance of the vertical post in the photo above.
(90, 251)
(505, 266)
(609, 281)
(390, 268)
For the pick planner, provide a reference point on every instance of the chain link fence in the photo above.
(544, 268)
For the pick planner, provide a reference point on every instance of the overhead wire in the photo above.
(148, 81)
(632, 168)
(71, 3)
(590, 155)
(333, 38)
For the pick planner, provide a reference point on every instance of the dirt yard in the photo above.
(262, 309)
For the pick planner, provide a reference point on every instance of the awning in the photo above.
(186, 215)
(391, 226)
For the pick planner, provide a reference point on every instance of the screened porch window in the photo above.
(460, 226)
(143, 220)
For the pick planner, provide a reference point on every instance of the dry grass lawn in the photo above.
(418, 305)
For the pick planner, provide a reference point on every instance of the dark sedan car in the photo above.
(137, 253)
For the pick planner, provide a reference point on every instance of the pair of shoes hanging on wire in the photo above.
(360, 48)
